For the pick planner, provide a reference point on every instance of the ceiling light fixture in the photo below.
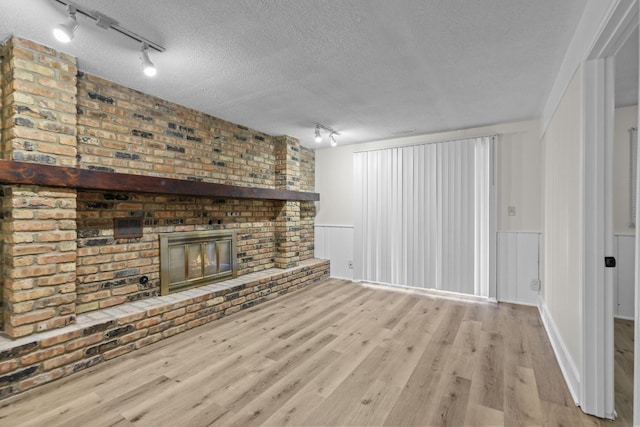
(318, 137)
(332, 139)
(65, 32)
(147, 66)
(332, 134)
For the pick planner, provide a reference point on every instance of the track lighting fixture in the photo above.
(147, 66)
(65, 32)
(318, 137)
(332, 134)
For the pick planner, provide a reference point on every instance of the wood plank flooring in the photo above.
(624, 371)
(334, 354)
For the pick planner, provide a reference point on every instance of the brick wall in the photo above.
(38, 225)
(3, 114)
(109, 270)
(53, 115)
(307, 209)
(123, 130)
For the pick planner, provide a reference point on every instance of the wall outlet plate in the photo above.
(535, 285)
(350, 264)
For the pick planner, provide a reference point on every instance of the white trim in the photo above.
(621, 22)
(333, 226)
(439, 141)
(342, 278)
(636, 346)
(595, 17)
(597, 388)
(623, 317)
(567, 364)
(528, 304)
(456, 296)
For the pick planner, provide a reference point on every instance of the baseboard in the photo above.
(426, 291)
(567, 365)
(623, 317)
(518, 303)
(342, 278)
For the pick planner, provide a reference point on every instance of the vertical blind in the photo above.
(422, 215)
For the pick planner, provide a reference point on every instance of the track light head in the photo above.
(332, 139)
(65, 32)
(147, 66)
(318, 137)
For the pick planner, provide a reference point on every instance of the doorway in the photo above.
(599, 293)
(624, 228)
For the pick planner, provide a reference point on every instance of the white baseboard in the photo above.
(341, 278)
(518, 303)
(624, 317)
(567, 365)
(426, 291)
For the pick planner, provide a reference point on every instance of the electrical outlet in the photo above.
(535, 285)
(350, 264)
(512, 211)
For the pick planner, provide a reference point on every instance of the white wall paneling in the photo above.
(335, 243)
(624, 276)
(518, 266)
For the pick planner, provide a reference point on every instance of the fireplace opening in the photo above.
(196, 258)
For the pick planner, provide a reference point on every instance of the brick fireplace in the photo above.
(80, 153)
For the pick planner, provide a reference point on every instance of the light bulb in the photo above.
(147, 66)
(318, 137)
(65, 32)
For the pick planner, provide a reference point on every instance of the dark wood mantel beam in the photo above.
(13, 172)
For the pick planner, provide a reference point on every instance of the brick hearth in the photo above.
(104, 334)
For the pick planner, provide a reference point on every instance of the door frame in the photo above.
(597, 371)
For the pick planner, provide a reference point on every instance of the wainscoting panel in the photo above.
(518, 266)
(624, 275)
(335, 243)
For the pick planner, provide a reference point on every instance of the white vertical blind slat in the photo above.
(422, 215)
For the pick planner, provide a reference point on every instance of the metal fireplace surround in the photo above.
(196, 258)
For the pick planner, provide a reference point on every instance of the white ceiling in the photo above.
(627, 72)
(371, 69)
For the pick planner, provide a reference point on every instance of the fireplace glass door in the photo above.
(195, 259)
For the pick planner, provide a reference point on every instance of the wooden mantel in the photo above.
(13, 172)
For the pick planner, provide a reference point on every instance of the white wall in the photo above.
(335, 243)
(624, 282)
(625, 119)
(518, 266)
(518, 161)
(562, 241)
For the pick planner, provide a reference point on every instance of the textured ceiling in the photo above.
(371, 69)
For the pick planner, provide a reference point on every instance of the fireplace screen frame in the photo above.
(198, 241)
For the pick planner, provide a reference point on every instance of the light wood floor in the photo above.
(624, 371)
(335, 354)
